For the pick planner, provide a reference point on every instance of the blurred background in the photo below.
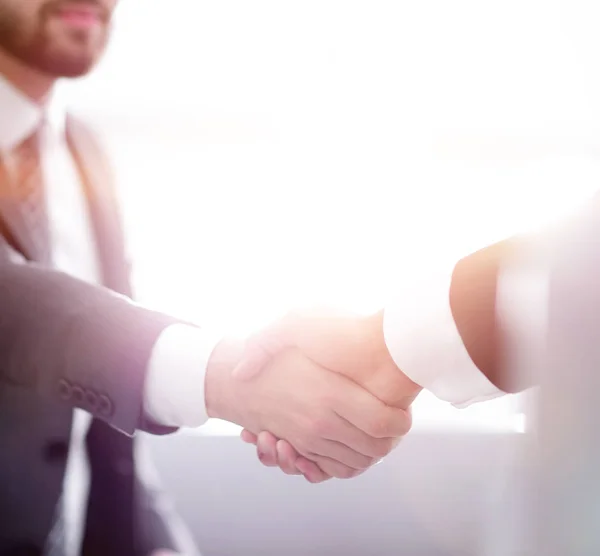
(285, 153)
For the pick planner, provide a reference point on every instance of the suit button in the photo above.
(77, 394)
(64, 389)
(105, 406)
(56, 451)
(91, 400)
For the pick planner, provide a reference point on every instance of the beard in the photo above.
(43, 42)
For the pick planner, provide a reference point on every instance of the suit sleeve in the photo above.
(78, 344)
(460, 334)
(472, 296)
(498, 299)
(449, 334)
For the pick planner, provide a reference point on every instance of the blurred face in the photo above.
(61, 38)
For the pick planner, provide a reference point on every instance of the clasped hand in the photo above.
(317, 392)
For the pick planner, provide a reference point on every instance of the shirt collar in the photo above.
(20, 116)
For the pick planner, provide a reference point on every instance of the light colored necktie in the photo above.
(27, 186)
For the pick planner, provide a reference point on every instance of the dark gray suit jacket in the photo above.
(64, 344)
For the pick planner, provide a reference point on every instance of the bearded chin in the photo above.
(73, 56)
(61, 66)
(63, 62)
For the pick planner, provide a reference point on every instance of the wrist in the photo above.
(220, 388)
(374, 325)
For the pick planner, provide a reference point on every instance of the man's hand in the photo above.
(273, 452)
(348, 345)
(344, 343)
(325, 416)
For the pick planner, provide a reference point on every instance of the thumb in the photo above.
(262, 347)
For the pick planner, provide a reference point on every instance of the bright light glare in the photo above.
(275, 154)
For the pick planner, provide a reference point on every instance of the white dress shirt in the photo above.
(422, 337)
(175, 380)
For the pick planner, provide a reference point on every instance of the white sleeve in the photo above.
(422, 338)
(174, 390)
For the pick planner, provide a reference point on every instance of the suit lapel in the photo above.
(13, 226)
(99, 187)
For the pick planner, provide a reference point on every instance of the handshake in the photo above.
(317, 392)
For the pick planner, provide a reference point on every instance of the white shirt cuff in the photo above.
(422, 338)
(174, 390)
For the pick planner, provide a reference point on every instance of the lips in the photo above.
(79, 18)
(81, 13)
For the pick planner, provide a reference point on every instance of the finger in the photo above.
(286, 458)
(311, 471)
(394, 445)
(345, 455)
(369, 414)
(334, 468)
(365, 436)
(366, 447)
(248, 437)
(266, 449)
